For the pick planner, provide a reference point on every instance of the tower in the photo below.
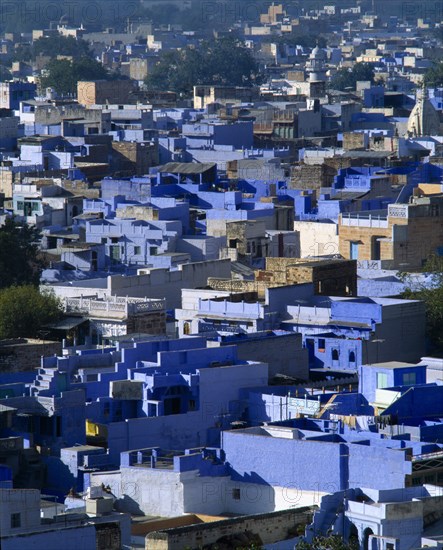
(316, 66)
(424, 119)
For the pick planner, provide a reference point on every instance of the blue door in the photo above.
(354, 251)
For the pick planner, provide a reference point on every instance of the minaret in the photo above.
(316, 65)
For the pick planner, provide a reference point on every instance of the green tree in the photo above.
(19, 260)
(434, 75)
(299, 38)
(333, 542)
(4, 74)
(24, 310)
(53, 46)
(348, 78)
(225, 62)
(432, 296)
(63, 75)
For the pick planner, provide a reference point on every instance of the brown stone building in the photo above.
(330, 277)
(404, 237)
(133, 158)
(99, 92)
(335, 277)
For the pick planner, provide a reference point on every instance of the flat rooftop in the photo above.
(391, 365)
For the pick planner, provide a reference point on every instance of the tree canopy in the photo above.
(63, 74)
(4, 74)
(434, 75)
(224, 62)
(333, 542)
(298, 39)
(19, 261)
(432, 295)
(348, 78)
(23, 311)
(53, 46)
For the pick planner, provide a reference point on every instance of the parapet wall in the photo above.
(270, 528)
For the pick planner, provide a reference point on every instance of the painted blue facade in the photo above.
(379, 376)
(283, 455)
(15, 92)
(207, 134)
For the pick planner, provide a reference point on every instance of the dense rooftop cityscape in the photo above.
(221, 275)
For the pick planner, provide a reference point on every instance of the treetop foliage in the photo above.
(24, 310)
(432, 295)
(19, 260)
(224, 62)
(434, 76)
(348, 78)
(53, 46)
(63, 74)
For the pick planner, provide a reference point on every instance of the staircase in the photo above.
(324, 520)
(49, 378)
(326, 406)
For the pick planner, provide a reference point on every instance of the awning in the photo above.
(68, 323)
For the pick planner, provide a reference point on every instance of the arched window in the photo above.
(335, 354)
(352, 356)
(187, 328)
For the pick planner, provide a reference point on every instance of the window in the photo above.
(321, 345)
(409, 378)
(16, 520)
(152, 250)
(20, 205)
(191, 406)
(352, 357)
(376, 250)
(137, 250)
(335, 354)
(107, 409)
(236, 494)
(382, 380)
(434, 210)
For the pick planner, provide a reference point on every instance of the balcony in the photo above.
(375, 219)
(117, 307)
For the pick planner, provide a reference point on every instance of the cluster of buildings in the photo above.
(236, 363)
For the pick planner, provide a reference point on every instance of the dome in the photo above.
(318, 53)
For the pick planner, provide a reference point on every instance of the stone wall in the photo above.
(235, 285)
(315, 176)
(151, 323)
(352, 140)
(365, 236)
(129, 158)
(23, 355)
(330, 277)
(272, 527)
